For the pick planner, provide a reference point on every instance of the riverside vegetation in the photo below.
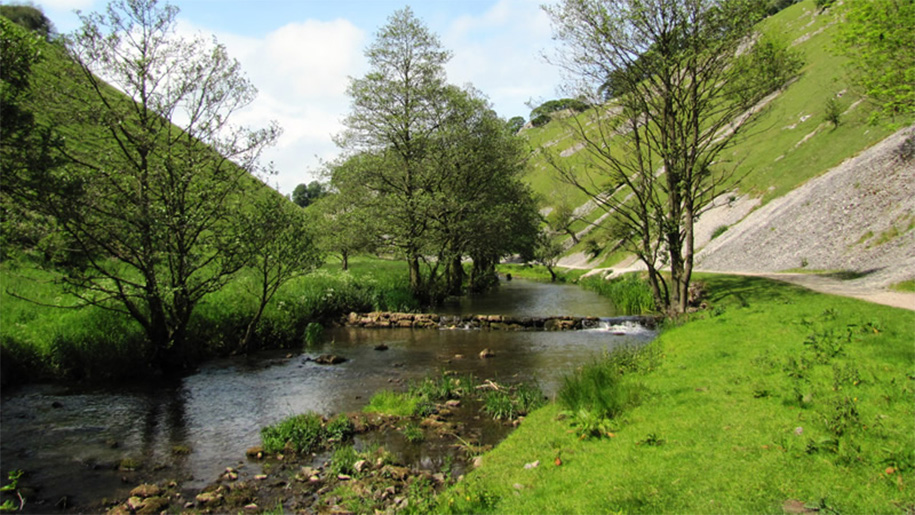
(775, 398)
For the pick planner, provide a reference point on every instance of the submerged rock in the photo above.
(329, 359)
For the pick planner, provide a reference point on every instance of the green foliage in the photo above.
(305, 194)
(313, 332)
(306, 433)
(29, 17)
(541, 114)
(300, 433)
(878, 38)
(413, 433)
(12, 488)
(340, 429)
(499, 405)
(629, 293)
(833, 112)
(442, 387)
(515, 124)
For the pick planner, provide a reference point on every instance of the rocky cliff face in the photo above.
(859, 216)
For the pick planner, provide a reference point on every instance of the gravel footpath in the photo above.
(858, 217)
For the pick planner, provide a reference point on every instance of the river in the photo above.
(79, 442)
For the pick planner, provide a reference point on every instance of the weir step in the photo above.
(385, 319)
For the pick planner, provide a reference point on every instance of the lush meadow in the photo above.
(777, 398)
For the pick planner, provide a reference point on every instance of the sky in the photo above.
(300, 55)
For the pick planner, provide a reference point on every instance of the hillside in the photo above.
(791, 145)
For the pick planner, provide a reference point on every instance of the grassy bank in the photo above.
(540, 273)
(57, 339)
(775, 399)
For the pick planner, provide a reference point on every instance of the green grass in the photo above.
(630, 294)
(54, 339)
(908, 286)
(775, 394)
(392, 403)
(540, 273)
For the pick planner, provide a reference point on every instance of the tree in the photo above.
(685, 86)
(151, 192)
(30, 17)
(305, 194)
(396, 108)
(878, 37)
(343, 217)
(547, 252)
(276, 237)
(515, 124)
(484, 209)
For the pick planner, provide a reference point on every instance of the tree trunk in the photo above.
(344, 257)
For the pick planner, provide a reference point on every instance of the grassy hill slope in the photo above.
(793, 141)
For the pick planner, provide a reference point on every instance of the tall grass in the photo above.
(597, 392)
(629, 293)
(50, 336)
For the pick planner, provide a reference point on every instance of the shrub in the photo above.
(833, 112)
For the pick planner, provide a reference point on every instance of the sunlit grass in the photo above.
(775, 394)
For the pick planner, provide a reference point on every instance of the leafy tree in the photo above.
(878, 36)
(515, 124)
(547, 252)
(396, 108)
(280, 245)
(344, 220)
(685, 88)
(562, 218)
(151, 191)
(30, 17)
(479, 162)
(305, 194)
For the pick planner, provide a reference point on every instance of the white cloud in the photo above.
(301, 72)
(499, 52)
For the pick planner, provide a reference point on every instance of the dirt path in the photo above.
(829, 283)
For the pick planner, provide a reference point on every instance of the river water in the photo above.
(81, 442)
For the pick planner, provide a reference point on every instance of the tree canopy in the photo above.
(432, 163)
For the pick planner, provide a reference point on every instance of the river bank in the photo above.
(89, 442)
(776, 399)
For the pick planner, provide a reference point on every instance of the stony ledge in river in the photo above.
(385, 319)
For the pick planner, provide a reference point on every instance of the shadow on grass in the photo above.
(732, 289)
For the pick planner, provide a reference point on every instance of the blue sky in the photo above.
(300, 53)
